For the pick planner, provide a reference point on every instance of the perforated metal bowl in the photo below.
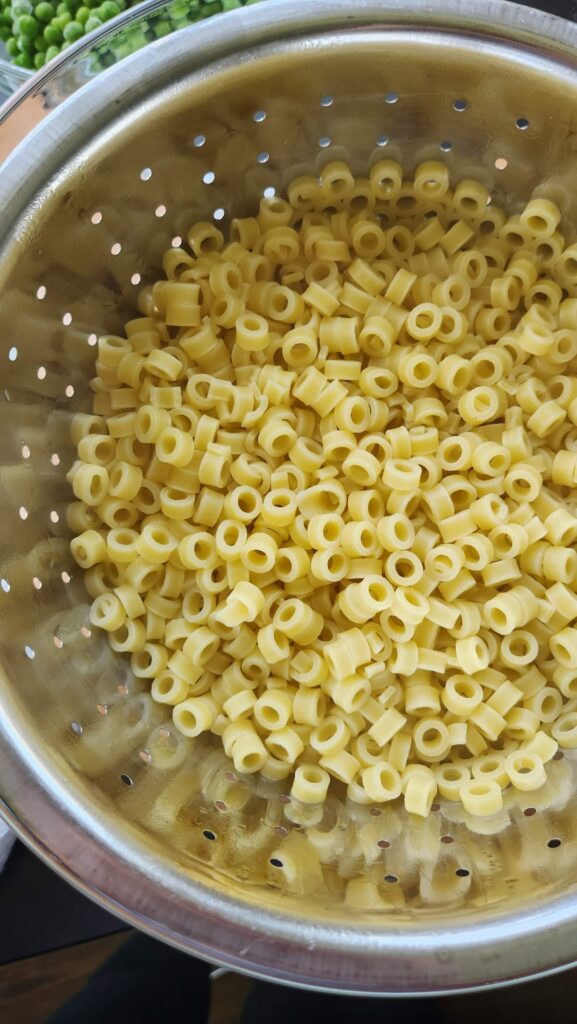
(154, 826)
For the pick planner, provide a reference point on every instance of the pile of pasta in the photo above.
(327, 497)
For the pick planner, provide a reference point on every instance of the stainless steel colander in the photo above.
(152, 825)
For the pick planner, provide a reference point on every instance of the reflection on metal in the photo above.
(154, 825)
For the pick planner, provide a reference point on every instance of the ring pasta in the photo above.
(326, 501)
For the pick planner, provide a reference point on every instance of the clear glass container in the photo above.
(129, 31)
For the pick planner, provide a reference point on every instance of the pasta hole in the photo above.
(391, 879)
(335, 562)
(554, 843)
(275, 862)
(462, 873)
(208, 834)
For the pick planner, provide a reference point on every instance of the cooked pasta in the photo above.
(327, 500)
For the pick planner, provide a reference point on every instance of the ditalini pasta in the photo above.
(327, 498)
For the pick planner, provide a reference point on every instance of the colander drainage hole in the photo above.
(269, 192)
(446, 146)
(501, 163)
(209, 835)
(276, 863)
(522, 123)
(554, 843)
(13, 354)
(327, 101)
(324, 141)
(259, 116)
(263, 158)
(65, 577)
(176, 243)
(5, 585)
(391, 879)
(219, 213)
(41, 292)
(135, 279)
(76, 728)
(160, 211)
(382, 140)
(392, 97)
(199, 141)
(447, 840)
(460, 105)
(209, 177)
(462, 873)
(126, 779)
(146, 174)
(95, 219)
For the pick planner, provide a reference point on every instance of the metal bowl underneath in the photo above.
(154, 826)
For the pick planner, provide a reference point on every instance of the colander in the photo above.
(156, 827)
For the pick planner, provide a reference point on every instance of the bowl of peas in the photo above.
(33, 33)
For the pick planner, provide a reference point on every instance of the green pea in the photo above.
(52, 52)
(25, 44)
(44, 11)
(27, 26)
(52, 35)
(73, 31)
(5, 33)
(162, 28)
(92, 23)
(62, 9)
(24, 60)
(62, 21)
(82, 15)
(39, 61)
(230, 5)
(108, 10)
(20, 7)
(12, 47)
(40, 44)
(179, 10)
